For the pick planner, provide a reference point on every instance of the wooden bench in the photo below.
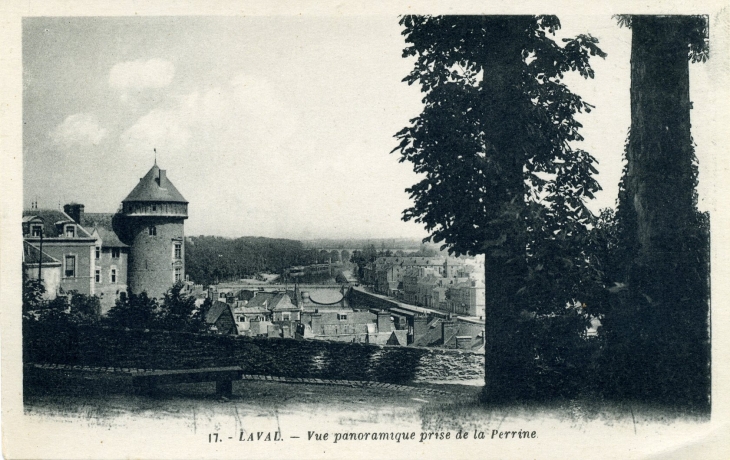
(222, 376)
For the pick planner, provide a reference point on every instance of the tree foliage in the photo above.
(363, 257)
(340, 278)
(176, 313)
(476, 70)
(33, 291)
(211, 259)
(135, 311)
(53, 324)
(695, 31)
(501, 176)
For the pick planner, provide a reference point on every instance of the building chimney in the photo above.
(449, 328)
(162, 179)
(420, 327)
(74, 211)
(384, 321)
(316, 323)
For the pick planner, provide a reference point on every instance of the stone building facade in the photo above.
(140, 248)
(154, 214)
(60, 239)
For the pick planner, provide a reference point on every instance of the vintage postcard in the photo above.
(323, 230)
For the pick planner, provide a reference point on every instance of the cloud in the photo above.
(138, 75)
(243, 116)
(81, 129)
(158, 129)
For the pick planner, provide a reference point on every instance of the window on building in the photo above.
(97, 275)
(123, 296)
(178, 274)
(98, 252)
(286, 316)
(114, 275)
(35, 230)
(154, 208)
(115, 253)
(152, 230)
(178, 251)
(341, 317)
(70, 266)
(70, 231)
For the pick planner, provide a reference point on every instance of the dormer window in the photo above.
(70, 231)
(35, 230)
(115, 253)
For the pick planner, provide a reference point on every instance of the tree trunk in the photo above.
(507, 359)
(660, 179)
(668, 353)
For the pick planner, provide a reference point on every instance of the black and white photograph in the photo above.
(339, 231)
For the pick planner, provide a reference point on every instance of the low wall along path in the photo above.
(310, 359)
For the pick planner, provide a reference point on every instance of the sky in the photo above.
(277, 126)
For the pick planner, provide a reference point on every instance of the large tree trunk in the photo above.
(660, 179)
(507, 357)
(667, 353)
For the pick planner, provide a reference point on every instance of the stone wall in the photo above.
(96, 346)
(151, 259)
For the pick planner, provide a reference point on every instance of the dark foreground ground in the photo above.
(434, 407)
(105, 419)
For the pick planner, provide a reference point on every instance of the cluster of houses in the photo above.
(448, 284)
(348, 314)
(317, 314)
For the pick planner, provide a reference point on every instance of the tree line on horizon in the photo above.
(213, 259)
(496, 145)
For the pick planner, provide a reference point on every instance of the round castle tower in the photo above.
(154, 214)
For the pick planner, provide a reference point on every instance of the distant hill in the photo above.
(210, 259)
(406, 244)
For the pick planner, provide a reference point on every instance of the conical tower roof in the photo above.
(155, 187)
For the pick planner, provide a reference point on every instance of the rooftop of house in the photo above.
(246, 310)
(455, 261)
(467, 283)
(155, 187)
(412, 271)
(262, 299)
(430, 280)
(282, 302)
(50, 219)
(32, 254)
(215, 311)
(103, 223)
(406, 261)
